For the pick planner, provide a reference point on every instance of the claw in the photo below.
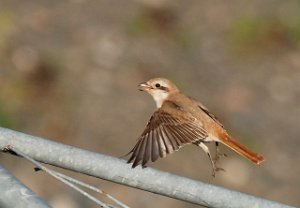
(215, 169)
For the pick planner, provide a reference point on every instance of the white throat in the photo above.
(159, 97)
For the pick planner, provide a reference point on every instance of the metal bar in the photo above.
(62, 179)
(116, 170)
(16, 194)
(92, 188)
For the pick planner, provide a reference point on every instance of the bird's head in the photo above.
(159, 88)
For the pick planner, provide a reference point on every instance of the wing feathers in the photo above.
(140, 153)
(163, 135)
(148, 146)
(176, 136)
(161, 145)
(134, 151)
(155, 148)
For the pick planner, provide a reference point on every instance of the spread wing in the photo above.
(165, 134)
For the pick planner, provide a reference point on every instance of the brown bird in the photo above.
(180, 120)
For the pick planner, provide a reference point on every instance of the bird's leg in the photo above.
(218, 154)
(213, 163)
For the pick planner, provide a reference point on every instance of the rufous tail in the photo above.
(241, 149)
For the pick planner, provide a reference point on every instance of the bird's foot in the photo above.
(218, 156)
(215, 161)
(215, 169)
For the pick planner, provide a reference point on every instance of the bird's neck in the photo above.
(159, 99)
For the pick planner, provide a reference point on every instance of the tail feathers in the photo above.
(241, 149)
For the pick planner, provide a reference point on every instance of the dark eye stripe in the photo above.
(164, 88)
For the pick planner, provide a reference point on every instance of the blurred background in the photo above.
(69, 72)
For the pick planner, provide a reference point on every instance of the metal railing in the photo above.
(118, 171)
(16, 194)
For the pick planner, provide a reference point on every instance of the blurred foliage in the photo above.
(6, 27)
(6, 119)
(293, 29)
(45, 73)
(251, 34)
(161, 22)
(150, 20)
(141, 25)
(187, 41)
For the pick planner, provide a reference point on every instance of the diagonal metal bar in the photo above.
(58, 177)
(16, 194)
(116, 170)
(92, 188)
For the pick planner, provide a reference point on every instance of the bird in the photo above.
(180, 120)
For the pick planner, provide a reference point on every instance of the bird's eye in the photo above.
(157, 85)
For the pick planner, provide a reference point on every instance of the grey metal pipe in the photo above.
(116, 170)
(16, 194)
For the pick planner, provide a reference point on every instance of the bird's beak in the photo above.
(144, 87)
